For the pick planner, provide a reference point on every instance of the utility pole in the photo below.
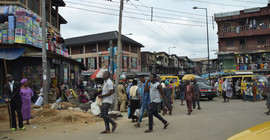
(119, 56)
(44, 55)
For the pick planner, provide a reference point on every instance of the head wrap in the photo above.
(167, 82)
(23, 81)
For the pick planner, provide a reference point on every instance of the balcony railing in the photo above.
(245, 47)
(244, 30)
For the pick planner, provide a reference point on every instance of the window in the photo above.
(226, 25)
(229, 42)
(242, 41)
(166, 60)
(34, 6)
(261, 41)
(81, 50)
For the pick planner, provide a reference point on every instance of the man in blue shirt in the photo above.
(145, 99)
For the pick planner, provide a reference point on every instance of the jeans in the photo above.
(153, 111)
(143, 108)
(104, 114)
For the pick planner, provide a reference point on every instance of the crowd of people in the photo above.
(138, 97)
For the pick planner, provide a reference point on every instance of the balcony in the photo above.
(242, 31)
(245, 47)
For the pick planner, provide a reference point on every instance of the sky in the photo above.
(175, 25)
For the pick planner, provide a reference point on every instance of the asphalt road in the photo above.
(216, 121)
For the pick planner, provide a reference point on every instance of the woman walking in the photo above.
(229, 89)
(167, 92)
(254, 89)
(26, 94)
(134, 101)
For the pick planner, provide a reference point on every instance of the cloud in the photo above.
(155, 36)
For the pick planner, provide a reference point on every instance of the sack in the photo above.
(39, 101)
(95, 109)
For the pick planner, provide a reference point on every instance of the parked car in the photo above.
(207, 91)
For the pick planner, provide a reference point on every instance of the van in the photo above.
(175, 79)
(244, 79)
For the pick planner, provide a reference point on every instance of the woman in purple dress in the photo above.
(26, 94)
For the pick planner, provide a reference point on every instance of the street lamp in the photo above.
(170, 48)
(207, 40)
(128, 34)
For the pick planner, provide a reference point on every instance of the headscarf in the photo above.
(167, 82)
(23, 81)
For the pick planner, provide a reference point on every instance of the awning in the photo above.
(11, 53)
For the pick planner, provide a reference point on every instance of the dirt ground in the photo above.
(46, 120)
(216, 121)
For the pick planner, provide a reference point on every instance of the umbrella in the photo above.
(98, 73)
(189, 77)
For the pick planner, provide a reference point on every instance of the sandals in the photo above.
(148, 131)
(105, 132)
(137, 125)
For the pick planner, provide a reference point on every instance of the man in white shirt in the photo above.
(107, 101)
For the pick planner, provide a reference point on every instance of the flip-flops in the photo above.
(148, 131)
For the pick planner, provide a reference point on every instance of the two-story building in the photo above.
(244, 39)
(92, 51)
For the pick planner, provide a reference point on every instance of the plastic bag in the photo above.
(99, 101)
(95, 109)
(39, 101)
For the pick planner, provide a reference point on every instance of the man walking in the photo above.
(189, 96)
(197, 95)
(13, 98)
(155, 91)
(122, 96)
(145, 100)
(107, 101)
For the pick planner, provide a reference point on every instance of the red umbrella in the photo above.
(99, 74)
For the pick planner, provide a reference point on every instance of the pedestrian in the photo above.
(173, 90)
(155, 92)
(254, 89)
(13, 98)
(224, 89)
(267, 90)
(182, 92)
(134, 100)
(189, 95)
(229, 89)
(260, 89)
(167, 92)
(122, 96)
(145, 100)
(26, 94)
(107, 101)
(197, 95)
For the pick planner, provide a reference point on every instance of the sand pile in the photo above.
(66, 116)
(47, 115)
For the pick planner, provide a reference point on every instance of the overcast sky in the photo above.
(175, 22)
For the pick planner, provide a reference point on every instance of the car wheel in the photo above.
(210, 98)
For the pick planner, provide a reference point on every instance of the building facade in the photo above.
(93, 51)
(244, 40)
(21, 37)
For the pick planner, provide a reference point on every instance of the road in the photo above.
(216, 121)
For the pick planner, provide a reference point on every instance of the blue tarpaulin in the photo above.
(11, 53)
